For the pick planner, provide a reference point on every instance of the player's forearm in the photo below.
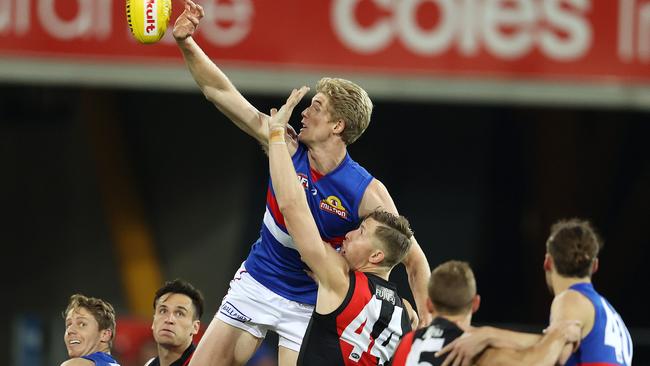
(218, 89)
(292, 203)
(419, 272)
(288, 191)
(206, 74)
(544, 353)
(504, 338)
(547, 352)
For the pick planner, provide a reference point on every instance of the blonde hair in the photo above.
(101, 310)
(350, 103)
(394, 234)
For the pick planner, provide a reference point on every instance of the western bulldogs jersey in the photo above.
(609, 342)
(420, 346)
(334, 203)
(101, 359)
(364, 330)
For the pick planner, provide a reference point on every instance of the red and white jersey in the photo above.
(364, 330)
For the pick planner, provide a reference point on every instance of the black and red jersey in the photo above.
(364, 330)
(184, 360)
(420, 346)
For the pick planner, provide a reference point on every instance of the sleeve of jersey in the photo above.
(403, 349)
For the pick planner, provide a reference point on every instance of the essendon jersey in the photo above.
(419, 347)
(364, 330)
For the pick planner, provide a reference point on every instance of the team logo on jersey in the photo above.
(332, 204)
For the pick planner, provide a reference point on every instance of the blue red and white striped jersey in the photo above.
(334, 201)
(101, 359)
(609, 342)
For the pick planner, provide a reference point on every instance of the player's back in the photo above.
(334, 201)
(363, 331)
(419, 347)
(608, 342)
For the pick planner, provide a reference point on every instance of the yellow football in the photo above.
(148, 19)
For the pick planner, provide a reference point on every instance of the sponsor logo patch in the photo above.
(232, 312)
(385, 294)
(332, 204)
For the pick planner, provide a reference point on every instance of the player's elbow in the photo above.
(289, 207)
(211, 95)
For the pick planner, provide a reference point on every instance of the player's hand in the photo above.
(188, 21)
(570, 329)
(464, 349)
(280, 118)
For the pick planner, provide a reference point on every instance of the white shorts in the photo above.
(252, 307)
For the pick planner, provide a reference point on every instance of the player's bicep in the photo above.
(376, 197)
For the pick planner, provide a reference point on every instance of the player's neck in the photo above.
(560, 284)
(167, 356)
(327, 155)
(462, 319)
(380, 272)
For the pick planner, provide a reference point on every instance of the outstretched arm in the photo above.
(547, 352)
(464, 350)
(214, 84)
(328, 266)
(417, 266)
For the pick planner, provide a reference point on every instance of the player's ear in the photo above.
(594, 266)
(195, 327)
(339, 127)
(376, 257)
(105, 335)
(548, 262)
(430, 308)
(476, 303)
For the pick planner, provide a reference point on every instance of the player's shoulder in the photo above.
(376, 196)
(78, 361)
(572, 305)
(571, 298)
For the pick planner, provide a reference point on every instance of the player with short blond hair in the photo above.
(271, 290)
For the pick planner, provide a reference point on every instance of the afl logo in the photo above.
(332, 204)
(305, 183)
(303, 180)
(355, 356)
